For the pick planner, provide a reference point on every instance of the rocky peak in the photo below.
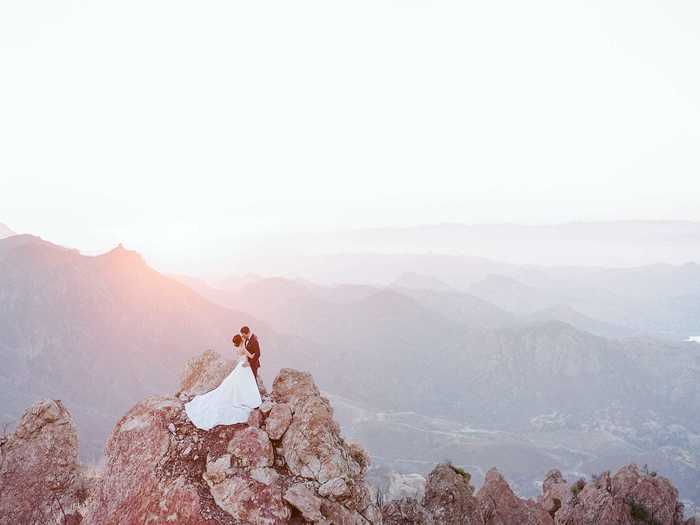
(203, 373)
(121, 256)
(630, 497)
(289, 463)
(499, 504)
(39, 473)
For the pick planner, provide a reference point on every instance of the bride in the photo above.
(232, 401)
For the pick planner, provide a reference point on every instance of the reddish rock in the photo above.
(555, 492)
(500, 506)
(406, 511)
(278, 420)
(312, 445)
(652, 495)
(594, 505)
(266, 407)
(305, 501)
(628, 497)
(313, 448)
(135, 487)
(251, 447)
(250, 501)
(450, 498)
(40, 481)
(290, 386)
(255, 419)
(336, 487)
(204, 373)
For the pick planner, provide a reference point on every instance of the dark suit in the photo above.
(253, 347)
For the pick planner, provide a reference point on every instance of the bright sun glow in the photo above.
(172, 125)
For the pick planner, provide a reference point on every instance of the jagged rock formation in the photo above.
(499, 505)
(630, 497)
(289, 463)
(40, 479)
(203, 373)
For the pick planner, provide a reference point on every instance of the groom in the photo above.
(253, 348)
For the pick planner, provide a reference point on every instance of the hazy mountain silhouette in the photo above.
(602, 244)
(102, 332)
(658, 299)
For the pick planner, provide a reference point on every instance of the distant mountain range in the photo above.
(603, 244)
(662, 300)
(491, 364)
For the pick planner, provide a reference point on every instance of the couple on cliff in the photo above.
(233, 400)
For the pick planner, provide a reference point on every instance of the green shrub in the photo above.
(461, 472)
(640, 513)
(577, 487)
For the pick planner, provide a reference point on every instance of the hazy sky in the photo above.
(161, 122)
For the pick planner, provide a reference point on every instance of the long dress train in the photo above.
(229, 403)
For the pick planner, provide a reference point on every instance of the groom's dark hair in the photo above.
(245, 330)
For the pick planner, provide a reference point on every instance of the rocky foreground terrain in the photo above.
(287, 464)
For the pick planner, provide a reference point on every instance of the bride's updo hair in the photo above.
(237, 340)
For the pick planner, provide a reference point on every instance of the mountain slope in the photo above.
(102, 332)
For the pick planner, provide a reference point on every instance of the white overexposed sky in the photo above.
(162, 123)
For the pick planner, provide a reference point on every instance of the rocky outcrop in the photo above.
(406, 511)
(500, 506)
(630, 497)
(40, 479)
(203, 373)
(289, 463)
(555, 492)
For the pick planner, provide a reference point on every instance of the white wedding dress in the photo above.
(229, 403)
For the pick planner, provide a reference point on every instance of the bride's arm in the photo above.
(242, 353)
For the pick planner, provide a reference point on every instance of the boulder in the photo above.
(250, 501)
(336, 488)
(290, 386)
(278, 420)
(305, 501)
(251, 447)
(40, 478)
(203, 373)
